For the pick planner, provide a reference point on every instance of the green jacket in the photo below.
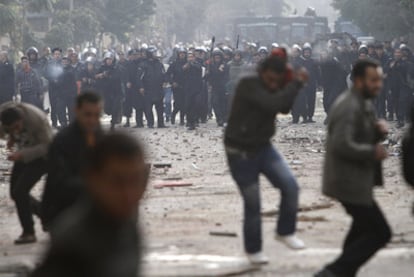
(351, 171)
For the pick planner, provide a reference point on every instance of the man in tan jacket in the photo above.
(353, 168)
(28, 135)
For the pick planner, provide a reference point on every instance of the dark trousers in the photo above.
(403, 104)
(65, 106)
(179, 104)
(32, 98)
(159, 107)
(129, 102)
(219, 101)
(24, 177)
(311, 102)
(299, 107)
(53, 93)
(168, 94)
(369, 232)
(139, 106)
(380, 103)
(192, 104)
(245, 169)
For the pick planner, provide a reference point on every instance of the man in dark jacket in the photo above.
(314, 79)
(98, 236)
(67, 157)
(333, 80)
(193, 85)
(53, 71)
(67, 93)
(257, 102)
(399, 68)
(352, 169)
(87, 76)
(176, 75)
(6, 79)
(218, 76)
(110, 84)
(29, 84)
(152, 88)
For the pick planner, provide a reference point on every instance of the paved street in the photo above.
(177, 221)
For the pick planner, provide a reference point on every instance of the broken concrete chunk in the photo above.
(162, 164)
(223, 234)
(172, 185)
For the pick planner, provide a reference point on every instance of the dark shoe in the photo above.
(167, 119)
(173, 120)
(400, 125)
(162, 127)
(191, 128)
(26, 239)
(138, 126)
(326, 273)
(182, 123)
(150, 127)
(127, 125)
(310, 120)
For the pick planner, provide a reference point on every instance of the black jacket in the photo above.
(252, 119)
(88, 80)
(7, 89)
(66, 160)
(175, 72)
(193, 83)
(88, 243)
(153, 79)
(217, 78)
(67, 82)
(111, 87)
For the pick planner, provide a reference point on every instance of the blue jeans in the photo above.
(245, 169)
(168, 94)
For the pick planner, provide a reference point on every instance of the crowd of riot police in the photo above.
(195, 82)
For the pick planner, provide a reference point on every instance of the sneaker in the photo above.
(258, 258)
(25, 239)
(291, 241)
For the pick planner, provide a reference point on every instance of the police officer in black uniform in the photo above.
(110, 83)
(152, 87)
(177, 77)
(218, 77)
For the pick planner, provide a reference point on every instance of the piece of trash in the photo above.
(195, 166)
(304, 218)
(162, 165)
(172, 179)
(223, 234)
(172, 185)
